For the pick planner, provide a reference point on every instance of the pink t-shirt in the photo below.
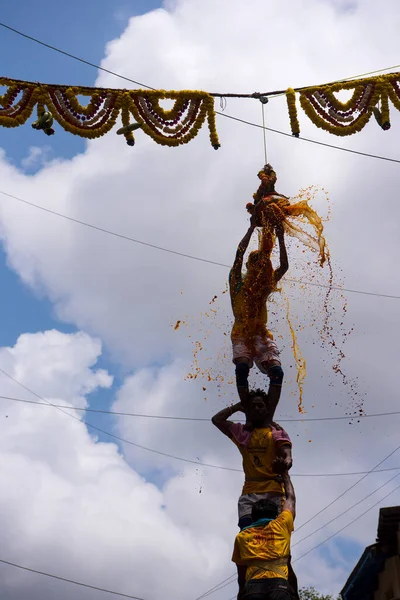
(242, 437)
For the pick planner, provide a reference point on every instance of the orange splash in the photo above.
(301, 364)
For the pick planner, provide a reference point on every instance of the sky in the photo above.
(88, 319)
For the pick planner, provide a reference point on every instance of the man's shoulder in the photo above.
(240, 435)
(284, 519)
(280, 436)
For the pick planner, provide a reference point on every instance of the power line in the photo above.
(394, 160)
(112, 435)
(86, 585)
(373, 470)
(82, 60)
(201, 419)
(113, 233)
(218, 587)
(354, 77)
(254, 95)
(180, 458)
(348, 525)
(346, 511)
(192, 257)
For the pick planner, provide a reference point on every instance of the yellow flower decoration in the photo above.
(169, 127)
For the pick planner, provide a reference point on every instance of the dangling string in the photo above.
(264, 131)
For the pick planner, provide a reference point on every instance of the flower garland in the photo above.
(141, 109)
(291, 102)
(169, 127)
(326, 111)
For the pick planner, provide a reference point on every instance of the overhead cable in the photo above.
(190, 256)
(201, 419)
(180, 458)
(86, 585)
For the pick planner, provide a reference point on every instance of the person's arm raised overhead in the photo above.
(290, 496)
(220, 420)
(283, 257)
(235, 275)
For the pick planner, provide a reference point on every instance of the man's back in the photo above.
(264, 547)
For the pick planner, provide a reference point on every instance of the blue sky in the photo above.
(83, 29)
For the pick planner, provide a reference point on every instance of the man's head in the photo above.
(258, 407)
(264, 509)
(253, 260)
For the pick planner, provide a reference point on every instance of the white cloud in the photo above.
(36, 158)
(72, 506)
(192, 200)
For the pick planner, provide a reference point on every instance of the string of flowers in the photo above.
(291, 102)
(170, 127)
(142, 109)
(326, 111)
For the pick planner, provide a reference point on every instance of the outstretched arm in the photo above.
(283, 257)
(220, 420)
(290, 497)
(235, 275)
(290, 501)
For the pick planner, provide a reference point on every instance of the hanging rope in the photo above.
(264, 101)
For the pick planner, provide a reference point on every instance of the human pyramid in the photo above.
(267, 505)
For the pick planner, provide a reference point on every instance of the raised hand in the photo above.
(279, 465)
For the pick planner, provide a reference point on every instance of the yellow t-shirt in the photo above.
(258, 456)
(266, 543)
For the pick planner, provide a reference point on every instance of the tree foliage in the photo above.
(310, 593)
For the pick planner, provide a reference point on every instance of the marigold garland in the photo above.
(141, 109)
(291, 102)
(173, 127)
(326, 111)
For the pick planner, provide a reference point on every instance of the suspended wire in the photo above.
(201, 419)
(256, 95)
(217, 94)
(180, 458)
(82, 60)
(348, 525)
(218, 587)
(198, 258)
(394, 160)
(264, 132)
(86, 585)
(346, 511)
(355, 77)
(373, 470)
(366, 74)
(113, 233)
(112, 435)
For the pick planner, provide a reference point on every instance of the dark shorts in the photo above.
(268, 589)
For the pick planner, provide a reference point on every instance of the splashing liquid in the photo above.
(212, 365)
(301, 364)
